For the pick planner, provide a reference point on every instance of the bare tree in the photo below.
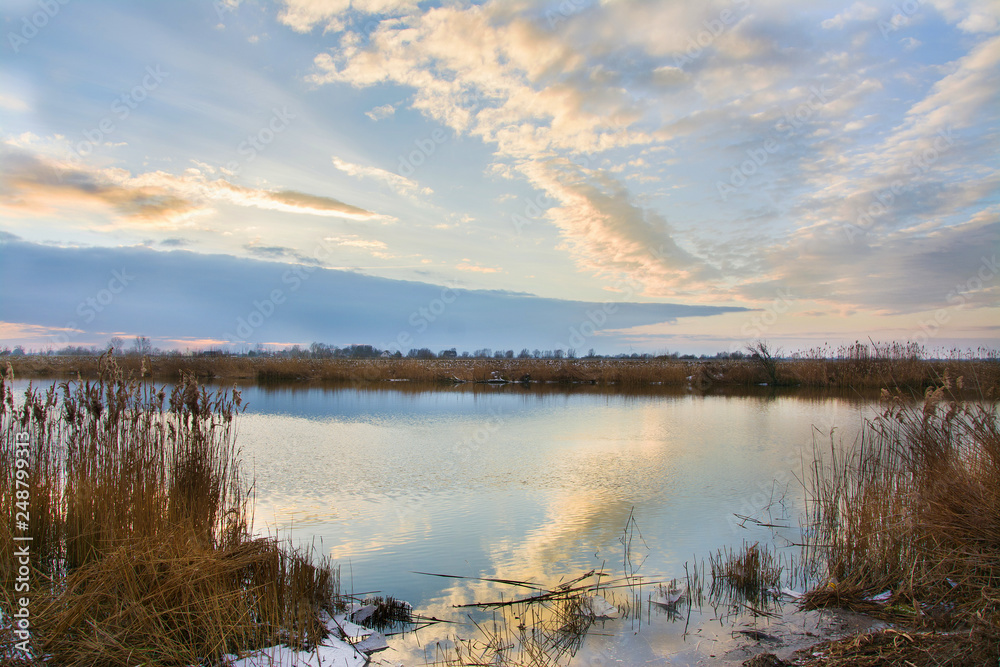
(762, 354)
(117, 344)
(141, 346)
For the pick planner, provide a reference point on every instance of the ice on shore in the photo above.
(667, 596)
(347, 645)
(332, 652)
(598, 607)
(881, 598)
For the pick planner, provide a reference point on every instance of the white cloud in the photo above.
(488, 72)
(400, 184)
(380, 112)
(610, 236)
(973, 16)
(469, 265)
(715, 78)
(476, 71)
(959, 99)
(374, 247)
(668, 75)
(859, 11)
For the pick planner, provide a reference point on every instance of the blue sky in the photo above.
(806, 174)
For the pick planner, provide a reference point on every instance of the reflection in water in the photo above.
(530, 485)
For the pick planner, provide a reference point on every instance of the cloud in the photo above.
(960, 98)
(486, 71)
(380, 112)
(568, 109)
(859, 11)
(20, 331)
(278, 253)
(609, 235)
(175, 243)
(562, 110)
(291, 201)
(166, 299)
(400, 184)
(474, 267)
(34, 184)
(935, 170)
(972, 16)
(668, 76)
(375, 247)
(489, 72)
(906, 272)
(304, 15)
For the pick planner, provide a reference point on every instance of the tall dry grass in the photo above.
(625, 373)
(855, 367)
(915, 510)
(896, 365)
(139, 517)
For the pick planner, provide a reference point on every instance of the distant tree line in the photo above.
(142, 346)
(758, 352)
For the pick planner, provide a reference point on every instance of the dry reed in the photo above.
(970, 648)
(914, 510)
(855, 367)
(139, 526)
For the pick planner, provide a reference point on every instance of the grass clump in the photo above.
(751, 573)
(915, 511)
(141, 550)
(176, 602)
(387, 613)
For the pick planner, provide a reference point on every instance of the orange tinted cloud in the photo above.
(36, 184)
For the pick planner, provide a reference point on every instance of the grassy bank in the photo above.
(873, 370)
(914, 511)
(138, 517)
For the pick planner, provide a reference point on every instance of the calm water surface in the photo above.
(529, 485)
(534, 485)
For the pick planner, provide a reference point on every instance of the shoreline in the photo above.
(982, 375)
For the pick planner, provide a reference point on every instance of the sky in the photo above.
(625, 176)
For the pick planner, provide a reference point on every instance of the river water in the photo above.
(534, 485)
(540, 484)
